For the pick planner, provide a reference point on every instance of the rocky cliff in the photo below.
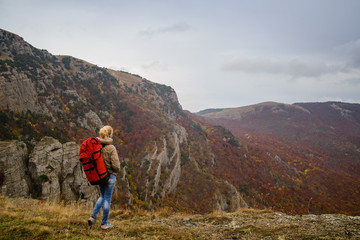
(13, 157)
(51, 171)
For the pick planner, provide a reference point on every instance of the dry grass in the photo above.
(34, 219)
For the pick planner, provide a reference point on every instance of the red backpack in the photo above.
(93, 162)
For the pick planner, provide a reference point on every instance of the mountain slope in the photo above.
(320, 141)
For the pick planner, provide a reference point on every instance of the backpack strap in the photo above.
(103, 145)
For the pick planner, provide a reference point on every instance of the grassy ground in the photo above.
(34, 219)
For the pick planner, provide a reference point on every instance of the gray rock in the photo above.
(13, 156)
(91, 121)
(54, 170)
(56, 167)
(45, 167)
(229, 199)
(18, 93)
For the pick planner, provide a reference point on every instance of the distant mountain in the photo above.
(297, 158)
(320, 141)
(212, 110)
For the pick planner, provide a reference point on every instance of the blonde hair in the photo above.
(106, 131)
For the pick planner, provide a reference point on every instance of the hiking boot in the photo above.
(106, 226)
(91, 222)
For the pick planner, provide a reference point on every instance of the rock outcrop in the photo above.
(18, 93)
(229, 200)
(13, 155)
(91, 121)
(54, 171)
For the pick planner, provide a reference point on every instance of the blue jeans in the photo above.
(106, 191)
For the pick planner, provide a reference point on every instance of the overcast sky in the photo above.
(214, 53)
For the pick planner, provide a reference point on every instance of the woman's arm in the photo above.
(115, 162)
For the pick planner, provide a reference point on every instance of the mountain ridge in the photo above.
(211, 112)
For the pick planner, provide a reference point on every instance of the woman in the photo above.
(112, 163)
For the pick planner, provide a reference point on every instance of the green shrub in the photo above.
(66, 61)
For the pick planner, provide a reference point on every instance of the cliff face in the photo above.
(13, 156)
(17, 90)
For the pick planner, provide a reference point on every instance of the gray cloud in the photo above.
(293, 67)
(350, 52)
(154, 66)
(352, 81)
(177, 27)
